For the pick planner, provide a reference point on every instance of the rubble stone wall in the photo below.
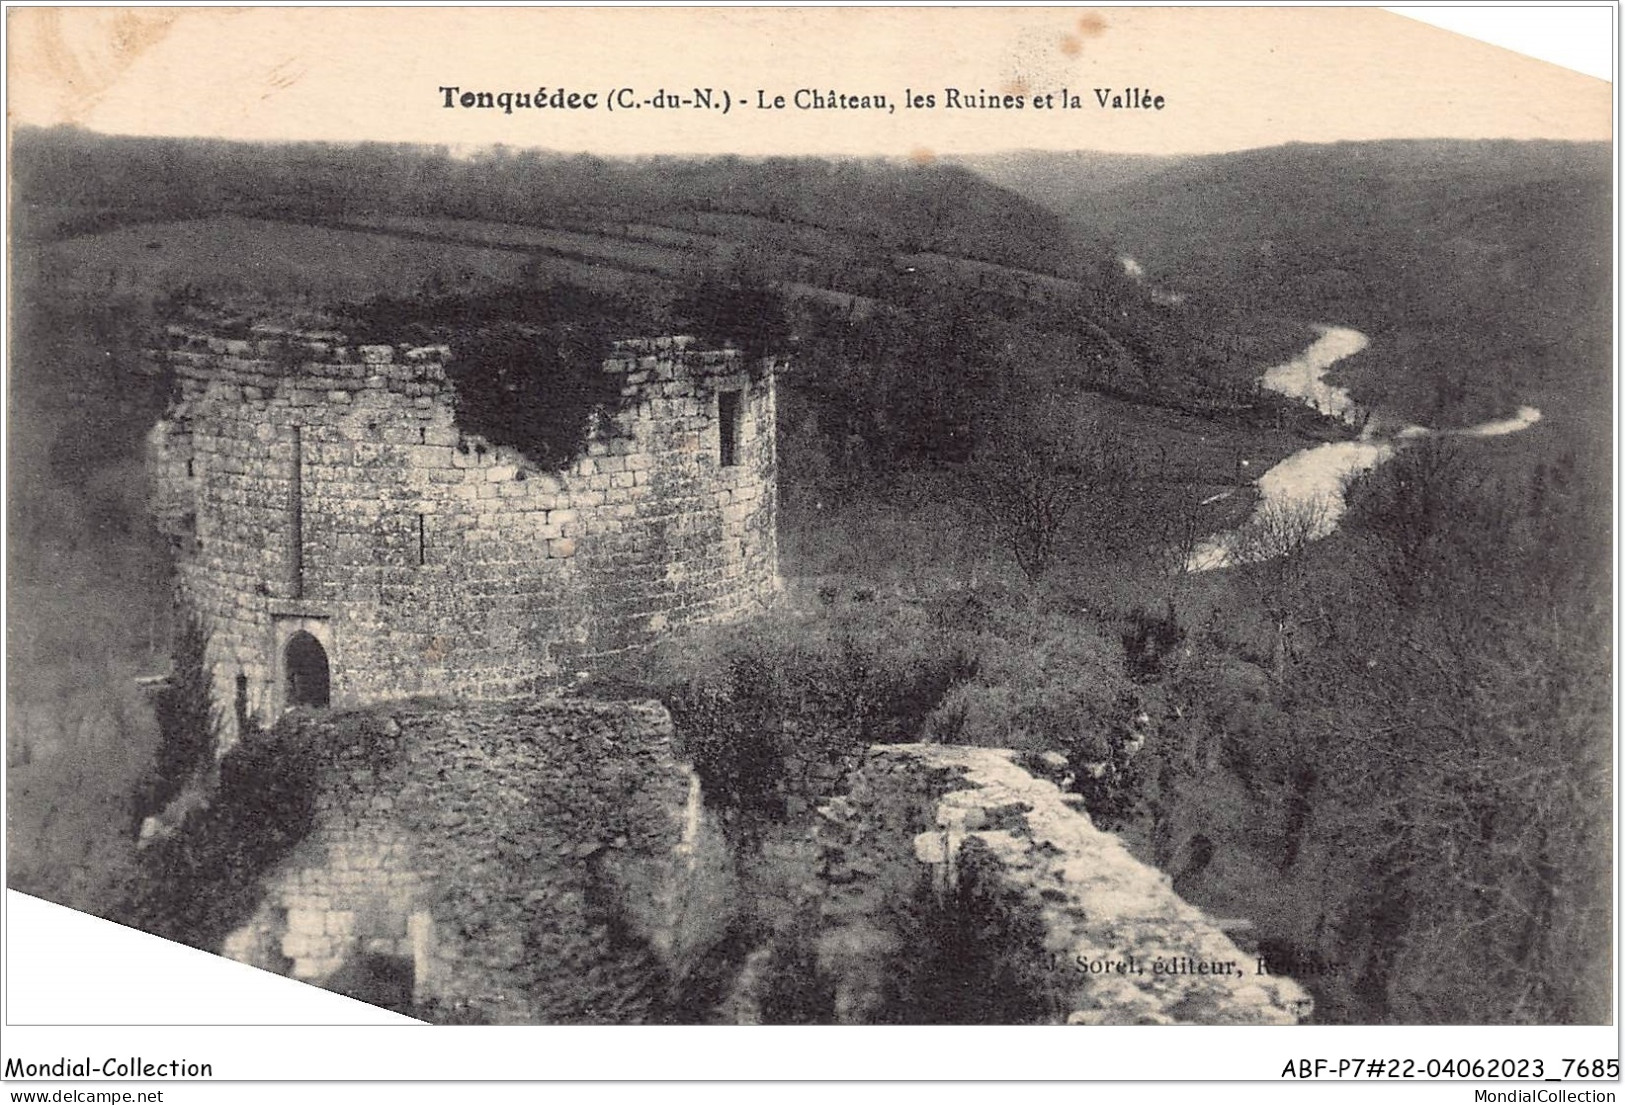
(1098, 936)
(520, 862)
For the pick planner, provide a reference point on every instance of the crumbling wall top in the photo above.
(1115, 943)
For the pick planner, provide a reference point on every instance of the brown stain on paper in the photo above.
(1092, 25)
(80, 54)
(1089, 25)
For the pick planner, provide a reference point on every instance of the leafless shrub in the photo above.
(1278, 532)
(1269, 551)
(1034, 481)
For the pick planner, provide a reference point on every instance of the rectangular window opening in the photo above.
(423, 540)
(296, 511)
(241, 703)
(729, 411)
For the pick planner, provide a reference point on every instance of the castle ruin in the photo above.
(346, 543)
(517, 858)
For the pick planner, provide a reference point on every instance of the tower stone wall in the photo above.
(316, 489)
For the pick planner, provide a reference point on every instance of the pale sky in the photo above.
(1230, 78)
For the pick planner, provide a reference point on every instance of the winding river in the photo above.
(1305, 491)
(1307, 486)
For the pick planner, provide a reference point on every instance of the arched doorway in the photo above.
(305, 661)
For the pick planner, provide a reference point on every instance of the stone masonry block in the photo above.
(307, 922)
(298, 946)
(379, 920)
(316, 968)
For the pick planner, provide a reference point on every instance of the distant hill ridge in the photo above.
(1474, 264)
(1214, 222)
(891, 205)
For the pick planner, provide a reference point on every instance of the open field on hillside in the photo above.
(231, 255)
(591, 248)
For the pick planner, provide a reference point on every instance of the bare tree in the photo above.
(1269, 550)
(1182, 528)
(1279, 531)
(1033, 481)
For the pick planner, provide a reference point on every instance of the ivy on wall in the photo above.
(535, 389)
(187, 721)
(198, 884)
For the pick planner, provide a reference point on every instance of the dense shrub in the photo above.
(1149, 640)
(1420, 797)
(773, 714)
(742, 310)
(975, 952)
(795, 990)
(537, 390)
(188, 723)
(527, 357)
(1043, 682)
(198, 884)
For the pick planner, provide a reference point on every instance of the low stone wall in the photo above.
(1063, 910)
(516, 863)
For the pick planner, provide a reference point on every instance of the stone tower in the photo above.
(344, 542)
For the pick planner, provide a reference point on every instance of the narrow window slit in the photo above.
(728, 419)
(296, 511)
(240, 705)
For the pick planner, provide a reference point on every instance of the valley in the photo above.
(1341, 677)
